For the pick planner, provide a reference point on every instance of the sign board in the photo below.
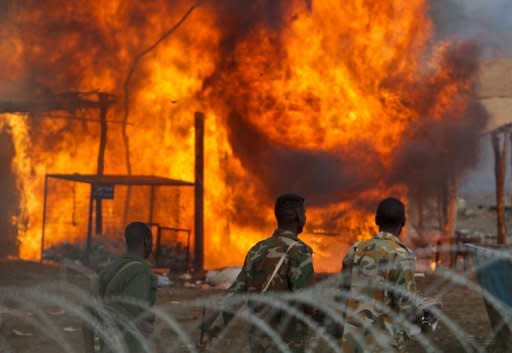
(103, 191)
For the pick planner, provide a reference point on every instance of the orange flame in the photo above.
(333, 87)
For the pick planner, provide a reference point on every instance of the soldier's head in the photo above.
(390, 215)
(290, 212)
(139, 239)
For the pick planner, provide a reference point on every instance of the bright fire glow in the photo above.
(332, 89)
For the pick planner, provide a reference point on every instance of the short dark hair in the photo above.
(390, 212)
(135, 234)
(286, 207)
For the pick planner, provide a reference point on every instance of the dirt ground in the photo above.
(463, 306)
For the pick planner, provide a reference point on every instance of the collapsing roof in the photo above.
(140, 180)
(67, 101)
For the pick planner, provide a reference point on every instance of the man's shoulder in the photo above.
(391, 245)
(278, 241)
(300, 247)
(377, 248)
(274, 247)
(128, 266)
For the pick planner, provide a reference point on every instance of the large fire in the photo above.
(344, 101)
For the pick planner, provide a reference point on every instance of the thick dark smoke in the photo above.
(434, 146)
(53, 59)
(322, 177)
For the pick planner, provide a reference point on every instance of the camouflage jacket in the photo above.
(296, 272)
(381, 273)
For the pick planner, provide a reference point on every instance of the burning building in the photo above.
(343, 101)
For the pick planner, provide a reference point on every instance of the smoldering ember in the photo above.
(209, 176)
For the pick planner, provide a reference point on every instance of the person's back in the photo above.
(262, 259)
(280, 263)
(126, 279)
(379, 305)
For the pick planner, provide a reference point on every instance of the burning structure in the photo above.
(344, 102)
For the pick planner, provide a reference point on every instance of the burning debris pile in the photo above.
(102, 252)
(343, 101)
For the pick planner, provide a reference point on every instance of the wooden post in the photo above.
(451, 205)
(500, 169)
(151, 204)
(88, 244)
(420, 202)
(43, 226)
(104, 104)
(198, 192)
(451, 216)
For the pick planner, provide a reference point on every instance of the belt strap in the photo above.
(126, 266)
(278, 266)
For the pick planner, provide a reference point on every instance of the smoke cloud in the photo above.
(487, 21)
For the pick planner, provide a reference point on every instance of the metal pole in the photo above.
(104, 104)
(187, 259)
(198, 194)
(151, 204)
(89, 230)
(43, 228)
(158, 249)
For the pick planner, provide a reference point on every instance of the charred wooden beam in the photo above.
(67, 101)
(198, 195)
(451, 205)
(500, 168)
(104, 105)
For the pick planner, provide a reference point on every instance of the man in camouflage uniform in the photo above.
(130, 277)
(378, 274)
(280, 263)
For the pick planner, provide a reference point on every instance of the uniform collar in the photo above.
(285, 233)
(134, 256)
(387, 236)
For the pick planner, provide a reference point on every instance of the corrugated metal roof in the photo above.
(141, 180)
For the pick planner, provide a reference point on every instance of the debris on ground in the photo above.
(103, 251)
(185, 277)
(20, 333)
(164, 281)
(173, 257)
(62, 252)
(222, 277)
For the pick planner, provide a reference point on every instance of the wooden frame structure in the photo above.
(126, 180)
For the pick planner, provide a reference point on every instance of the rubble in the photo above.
(103, 250)
(64, 251)
(185, 277)
(164, 281)
(21, 333)
(222, 277)
(173, 257)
